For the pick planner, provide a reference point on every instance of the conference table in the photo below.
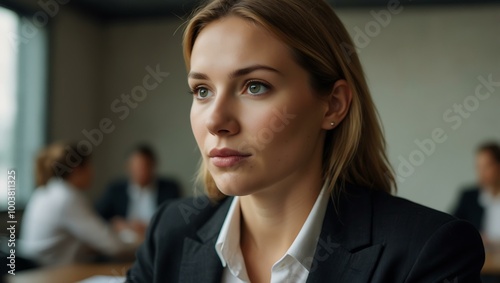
(70, 273)
(492, 264)
(77, 272)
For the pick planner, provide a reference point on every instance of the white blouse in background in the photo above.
(142, 202)
(491, 218)
(59, 225)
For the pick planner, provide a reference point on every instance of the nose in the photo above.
(222, 118)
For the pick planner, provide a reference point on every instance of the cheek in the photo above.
(196, 126)
(285, 128)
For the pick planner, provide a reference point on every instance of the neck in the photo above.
(272, 218)
(75, 183)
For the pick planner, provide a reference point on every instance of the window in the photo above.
(23, 77)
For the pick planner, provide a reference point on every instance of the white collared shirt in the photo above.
(293, 266)
(142, 202)
(59, 225)
(491, 218)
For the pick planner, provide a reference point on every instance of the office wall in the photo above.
(144, 63)
(419, 64)
(422, 67)
(75, 65)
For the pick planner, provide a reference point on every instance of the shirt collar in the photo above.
(228, 242)
(302, 248)
(136, 190)
(304, 245)
(486, 199)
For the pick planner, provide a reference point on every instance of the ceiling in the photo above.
(136, 8)
(131, 9)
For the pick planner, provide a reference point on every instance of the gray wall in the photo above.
(94, 66)
(419, 64)
(162, 116)
(423, 63)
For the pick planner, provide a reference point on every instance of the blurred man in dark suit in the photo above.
(132, 201)
(480, 205)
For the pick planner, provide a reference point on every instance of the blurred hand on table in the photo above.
(129, 231)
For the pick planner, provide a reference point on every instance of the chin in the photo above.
(233, 187)
(232, 191)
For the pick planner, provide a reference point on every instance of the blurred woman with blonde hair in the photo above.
(293, 163)
(59, 226)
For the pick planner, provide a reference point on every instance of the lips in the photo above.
(226, 157)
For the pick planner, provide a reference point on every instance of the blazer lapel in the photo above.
(344, 253)
(200, 262)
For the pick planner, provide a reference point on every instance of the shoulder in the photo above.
(58, 192)
(407, 216)
(424, 238)
(398, 220)
(385, 203)
(423, 244)
(42, 198)
(183, 217)
(470, 192)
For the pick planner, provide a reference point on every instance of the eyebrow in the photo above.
(236, 73)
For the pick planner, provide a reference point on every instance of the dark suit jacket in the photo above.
(115, 200)
(470, 209)
(374, 237)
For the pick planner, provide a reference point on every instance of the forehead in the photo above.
(485, 156)
(138, 157)
(231, 42)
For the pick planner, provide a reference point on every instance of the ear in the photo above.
(338, 104)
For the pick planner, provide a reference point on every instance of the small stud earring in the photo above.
(332, 123)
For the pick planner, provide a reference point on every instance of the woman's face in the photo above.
(252, 99)
(141, 169)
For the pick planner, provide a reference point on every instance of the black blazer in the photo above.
(115, 200)
(470, 209)
(374, 237)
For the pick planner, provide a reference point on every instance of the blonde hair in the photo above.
(354, 152)
(51, 159)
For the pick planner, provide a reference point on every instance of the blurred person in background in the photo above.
(131, 202)
(480, 204)
(59, 226)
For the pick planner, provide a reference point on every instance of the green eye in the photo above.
(256, 88)
(202, 93)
